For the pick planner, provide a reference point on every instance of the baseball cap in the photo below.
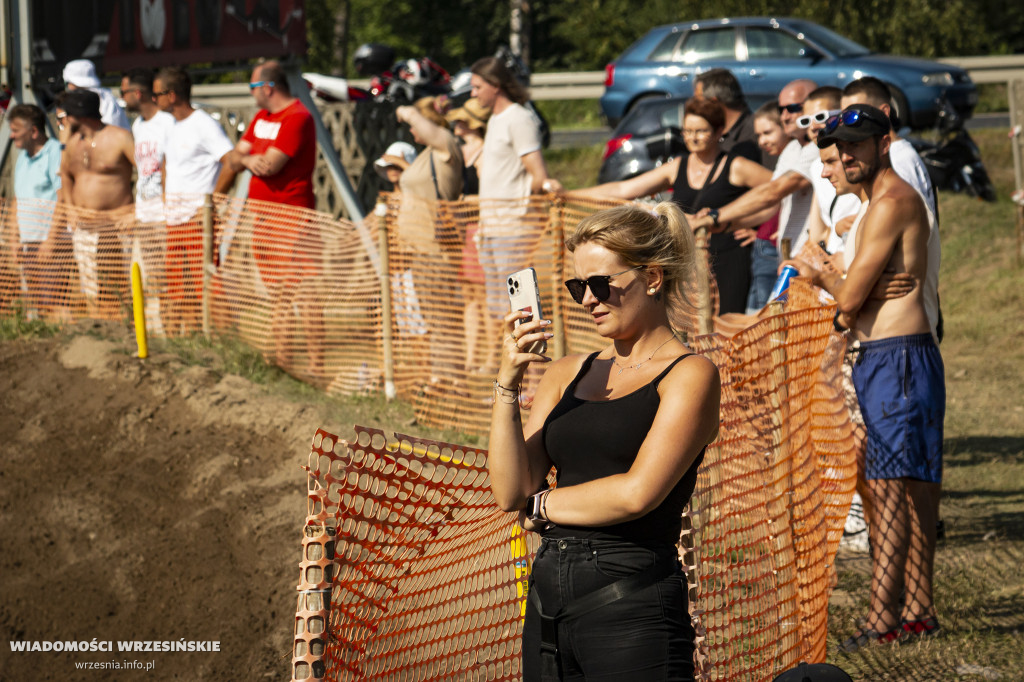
(81, 73)
(855, 123)
(81, 104)
(402, 149)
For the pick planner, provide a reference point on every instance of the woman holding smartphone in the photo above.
(626, 429)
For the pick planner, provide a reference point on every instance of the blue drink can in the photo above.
(782, 284)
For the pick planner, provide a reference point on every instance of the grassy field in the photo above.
(980, 602)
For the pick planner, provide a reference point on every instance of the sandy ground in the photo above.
(146, 501)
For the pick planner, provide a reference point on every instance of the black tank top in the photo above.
(470, 180)
(591, 439)
(716, 193)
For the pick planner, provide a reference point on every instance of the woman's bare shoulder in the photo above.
(693, 370)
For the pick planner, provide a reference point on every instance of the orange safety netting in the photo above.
(428, 583)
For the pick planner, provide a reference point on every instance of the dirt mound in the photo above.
(146, 501)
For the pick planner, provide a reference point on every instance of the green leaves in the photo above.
(587, 34)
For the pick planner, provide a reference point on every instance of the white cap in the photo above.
(81, 73)
(402, 149)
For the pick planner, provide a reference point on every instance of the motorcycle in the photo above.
(403, 81)
(954, 161)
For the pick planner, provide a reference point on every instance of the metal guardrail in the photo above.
(590, 84)
(996, 69)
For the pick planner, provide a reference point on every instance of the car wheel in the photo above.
(900, 108)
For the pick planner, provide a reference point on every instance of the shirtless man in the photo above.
(96, 175)
(899, 378)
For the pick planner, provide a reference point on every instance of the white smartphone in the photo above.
(523, 294)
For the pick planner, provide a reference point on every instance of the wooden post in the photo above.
(705, 323)
(556, 222)
(207, 260)
(381, 212)
(1016, 97)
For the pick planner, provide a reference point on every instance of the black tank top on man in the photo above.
(729, 261)
(591, 439)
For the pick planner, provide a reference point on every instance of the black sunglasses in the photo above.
(851, 118)
(598, 285)
(792, 108)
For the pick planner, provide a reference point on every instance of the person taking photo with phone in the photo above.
(625, 428)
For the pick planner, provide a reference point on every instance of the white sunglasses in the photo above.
(820, 117)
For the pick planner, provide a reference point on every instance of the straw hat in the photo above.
(472, 113)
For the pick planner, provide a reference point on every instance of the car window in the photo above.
(768, 43)
(709, 44)
(672, 117)
(666, 48)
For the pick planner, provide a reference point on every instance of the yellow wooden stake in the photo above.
(139, 309)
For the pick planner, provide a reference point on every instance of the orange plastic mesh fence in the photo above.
(429, 586)
(431, 574)
(308, 292)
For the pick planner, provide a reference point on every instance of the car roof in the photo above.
(734, 21)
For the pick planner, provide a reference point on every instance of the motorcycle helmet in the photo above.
(371, 59)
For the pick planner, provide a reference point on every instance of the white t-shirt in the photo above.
(844, 206)
(512, 134)
(150, 145)
(908, 165)
(797, 206)
(195, 147)
(111, 112)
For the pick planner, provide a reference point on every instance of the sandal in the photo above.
(926, 627)
(864, 638)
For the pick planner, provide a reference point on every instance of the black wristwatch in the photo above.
(713, 213)
(536, 510)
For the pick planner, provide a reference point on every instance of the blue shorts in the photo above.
(901, 388)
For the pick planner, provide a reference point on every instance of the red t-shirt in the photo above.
(293, 132)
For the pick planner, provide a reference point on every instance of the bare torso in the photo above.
(878, 319)
(99, 169)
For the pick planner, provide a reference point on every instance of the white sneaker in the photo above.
(855, 531)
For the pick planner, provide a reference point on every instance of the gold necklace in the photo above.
(623, 368)
(86, 159)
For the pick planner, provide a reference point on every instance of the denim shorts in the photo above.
(901, 389)
(644, 636)
(764, 266)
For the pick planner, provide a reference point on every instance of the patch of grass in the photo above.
(576, 167)
(997, 155)
(571, 114)
(992, 98)
(230, 356)
(17, 325)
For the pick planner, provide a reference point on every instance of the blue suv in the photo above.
(766, 53)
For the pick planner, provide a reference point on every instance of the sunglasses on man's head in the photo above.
(599, 286)
(851, 118)
(792, 108)
(820, 117)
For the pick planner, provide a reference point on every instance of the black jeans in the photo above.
(645, 636)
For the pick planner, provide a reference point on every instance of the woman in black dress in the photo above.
(704, 177)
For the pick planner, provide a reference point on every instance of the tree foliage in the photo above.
(587, 34)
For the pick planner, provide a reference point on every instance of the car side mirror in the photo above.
(665, 144)
(812, 54)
